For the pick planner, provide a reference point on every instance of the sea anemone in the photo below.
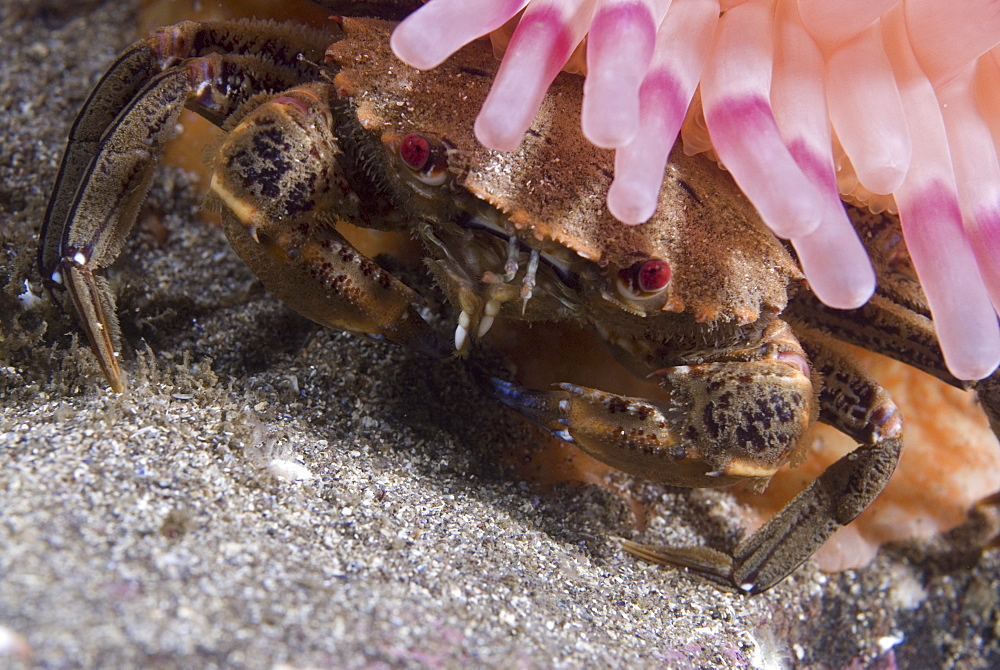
(890, 102)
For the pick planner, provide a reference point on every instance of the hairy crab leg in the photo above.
(279, 181)
(118, 135)
(857, 406)
(276, 46)
(895, 330)
(116, 89)
(882, 326)
(707, 434)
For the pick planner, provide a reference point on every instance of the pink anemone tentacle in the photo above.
(682, 44)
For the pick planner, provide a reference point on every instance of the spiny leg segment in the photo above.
(212, 68)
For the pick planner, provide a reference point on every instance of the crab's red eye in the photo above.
(415, 151)
(653, 276)
(644, 279)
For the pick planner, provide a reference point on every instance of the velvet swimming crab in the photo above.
(702, 298)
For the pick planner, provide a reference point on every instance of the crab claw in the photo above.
(630, 434)
(281, 190)
(660, 441)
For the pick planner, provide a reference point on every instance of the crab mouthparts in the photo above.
(481, 306)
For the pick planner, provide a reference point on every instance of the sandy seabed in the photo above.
(160, 528)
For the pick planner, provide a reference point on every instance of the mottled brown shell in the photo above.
(726, 264)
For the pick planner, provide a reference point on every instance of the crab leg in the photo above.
(896, 331)
(711, 434)
(895, 322)
(117, 137)
(278, 178)
(857, 406)
(708, 434)
(880, 325)
(274, 48)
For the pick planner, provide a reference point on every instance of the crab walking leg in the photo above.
(895, 322)
(882, 326)
(275, 48)
(104, 208)
(116, 89)
(117, 138)
(317, 272)
(988, 392)
(854, 404)
(278, 180)
(891, 329)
